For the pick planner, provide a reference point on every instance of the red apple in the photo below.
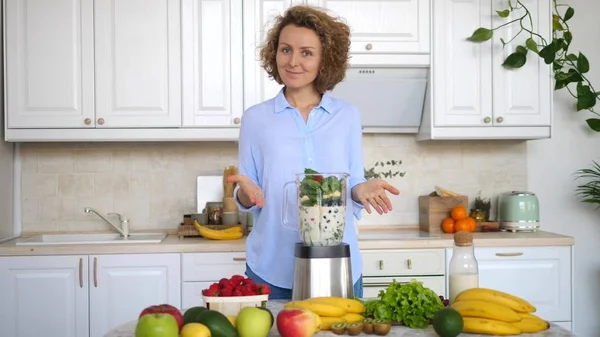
(164, 309)
(296, 323)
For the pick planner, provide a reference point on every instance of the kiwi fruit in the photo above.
(338, 328)
(354, 329)
(368, 326)
(381, 327)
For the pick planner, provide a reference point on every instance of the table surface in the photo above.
(128, 329)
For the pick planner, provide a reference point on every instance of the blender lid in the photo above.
(328, 252)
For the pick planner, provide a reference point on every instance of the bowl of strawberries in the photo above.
(230, 295)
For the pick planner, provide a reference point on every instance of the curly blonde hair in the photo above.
(335, 44)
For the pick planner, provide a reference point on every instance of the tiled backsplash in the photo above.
(154, 183)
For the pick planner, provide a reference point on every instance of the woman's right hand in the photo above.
(249, 193)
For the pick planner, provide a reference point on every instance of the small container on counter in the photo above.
(214, 210)
(187, 219)
(463, 268)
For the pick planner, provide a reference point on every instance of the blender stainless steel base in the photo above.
(322, 271)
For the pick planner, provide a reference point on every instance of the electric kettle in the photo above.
(518, 211)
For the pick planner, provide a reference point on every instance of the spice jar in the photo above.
(478, 215)
(214, 210)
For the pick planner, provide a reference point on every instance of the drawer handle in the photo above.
(378, 285)
(380, 264)
(409, 263)
(239, 259)
(509, 254)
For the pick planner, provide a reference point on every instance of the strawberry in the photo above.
(237, 279)
(223, 282)
(237, 292)
(214, 286)
(263, 289)
(210, 292)
(226, 292)
(247, 292)
(248, 280)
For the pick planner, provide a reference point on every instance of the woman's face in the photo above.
(298, 56)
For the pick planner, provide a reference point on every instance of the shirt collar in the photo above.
(281, 103)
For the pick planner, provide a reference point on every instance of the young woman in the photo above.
(302, 127)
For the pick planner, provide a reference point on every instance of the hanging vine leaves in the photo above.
(569, 68)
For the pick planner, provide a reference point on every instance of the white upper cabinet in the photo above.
(472, 95)
(49, 55)
(385, 32)
(212, 63)
(137, 63)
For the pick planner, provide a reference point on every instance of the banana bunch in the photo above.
(332, 310)
(233, 233)
(492, 312)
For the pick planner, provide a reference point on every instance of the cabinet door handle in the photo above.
(409, 263)
(509, 254)
(380, 264)
(95, 272)
(81, 272)
(239, 259)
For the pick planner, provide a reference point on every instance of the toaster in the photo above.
(518, 211)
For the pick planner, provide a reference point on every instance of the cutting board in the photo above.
(208, 188)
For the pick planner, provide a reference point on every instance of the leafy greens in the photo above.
(410, 303)
(316, 190)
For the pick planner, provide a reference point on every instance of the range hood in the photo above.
(390, 98)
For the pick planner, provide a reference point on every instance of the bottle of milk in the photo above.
(463, 270)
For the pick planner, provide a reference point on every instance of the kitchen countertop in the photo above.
(128, 329)
(389, 237)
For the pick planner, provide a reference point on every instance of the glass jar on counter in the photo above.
(463, 269)
(214, 210)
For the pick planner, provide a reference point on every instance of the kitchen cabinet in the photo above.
(200, 270)
(123, 70)
(83, 295)
(384, 32)
(540, 275)
(472, 96)
(381, 267)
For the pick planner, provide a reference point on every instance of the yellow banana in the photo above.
(353, 318)
(319, 323)
(489, 327)
(215, 234)
(232, 229)
(489, 295)
(318, 308)
(485, 309)
(531, 324)
(350, 305)
(329, 321)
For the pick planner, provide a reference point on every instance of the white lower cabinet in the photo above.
(80, 295)
(381, 267)
(540, 275)
(200, 270)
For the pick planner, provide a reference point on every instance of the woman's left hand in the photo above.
(372, 192)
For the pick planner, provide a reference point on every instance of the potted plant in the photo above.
(589, 192)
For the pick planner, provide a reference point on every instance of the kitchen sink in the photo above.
(91, 238)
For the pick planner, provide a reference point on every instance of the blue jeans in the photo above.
(278, 293)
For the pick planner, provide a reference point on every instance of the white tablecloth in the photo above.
(128, 329)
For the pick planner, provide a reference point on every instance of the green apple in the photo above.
(254, 322)
(157, 325)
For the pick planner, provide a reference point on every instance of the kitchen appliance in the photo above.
(518, 211)
(322, 264)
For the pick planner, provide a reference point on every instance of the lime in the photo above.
(447, 322)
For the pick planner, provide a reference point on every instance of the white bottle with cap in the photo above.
(464, 270)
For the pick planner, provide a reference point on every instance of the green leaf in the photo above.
(515, 60)
(481, 35)
(594, 124)
(548, 53)
(522, 50)
(503, 42)
(583, 65)
(532, 45)
(586, 99)
(568, 36)
(572, 57)
(569, 14)
(556, 25)
(503, 14)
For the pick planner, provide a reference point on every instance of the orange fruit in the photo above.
(458, 213)
(467, 224)
(448, 225)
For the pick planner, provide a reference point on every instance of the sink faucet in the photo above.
(124, 229)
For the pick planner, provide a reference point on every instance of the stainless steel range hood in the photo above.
(390, 99)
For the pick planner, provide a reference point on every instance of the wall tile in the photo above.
(154, 184)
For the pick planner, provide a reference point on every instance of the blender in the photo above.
(322, 265)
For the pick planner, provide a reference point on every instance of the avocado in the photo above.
(191, 315)
(217, 323)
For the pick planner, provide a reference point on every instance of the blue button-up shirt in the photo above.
(274, 145)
